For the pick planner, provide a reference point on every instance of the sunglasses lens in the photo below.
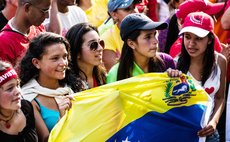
(93, 46)
(102, 43)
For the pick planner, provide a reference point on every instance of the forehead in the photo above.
(10, 82)
(190, 34)
(90, 35)
(55, 48)
(42, 3)
(144, 32)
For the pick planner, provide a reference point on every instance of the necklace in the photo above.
(7, 124)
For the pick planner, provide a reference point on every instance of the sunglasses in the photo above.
(43, 11)
(94, 45)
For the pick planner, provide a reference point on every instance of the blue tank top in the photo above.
(49, 116)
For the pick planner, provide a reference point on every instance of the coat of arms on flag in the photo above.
(145, 108)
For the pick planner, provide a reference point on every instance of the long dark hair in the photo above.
(125, 68)
(184, 60)
(2, 4)
(172, 34)
(37, 48)
(75, 38)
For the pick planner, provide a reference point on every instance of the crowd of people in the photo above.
(51, 49)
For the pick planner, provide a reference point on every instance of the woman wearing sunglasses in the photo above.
(139, 52)
(86, 52)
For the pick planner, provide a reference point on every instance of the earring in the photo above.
(37, 67)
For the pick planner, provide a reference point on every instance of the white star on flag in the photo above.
(126, 140)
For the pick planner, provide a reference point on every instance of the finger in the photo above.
(70, 97)
(206, 131)
(178, 73)
(70, 105)
(175, 73)
(66, 106)
(169, 70)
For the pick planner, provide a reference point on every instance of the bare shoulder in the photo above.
(221, 59)
(35, 105)
(222, 62)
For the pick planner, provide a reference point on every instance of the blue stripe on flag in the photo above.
(179, 124)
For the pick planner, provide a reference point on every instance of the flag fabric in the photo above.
(146, 108)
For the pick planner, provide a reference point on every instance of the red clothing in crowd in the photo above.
(13, 44)
(153, 10)
(176, 47)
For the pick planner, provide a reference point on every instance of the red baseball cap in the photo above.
(198, 23)
(198, 5)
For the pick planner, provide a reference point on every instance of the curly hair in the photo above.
(37, 48)
(75, 38)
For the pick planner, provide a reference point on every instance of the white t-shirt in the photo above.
(163, 11)
(74, 16)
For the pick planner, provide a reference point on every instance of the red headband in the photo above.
(7, 75)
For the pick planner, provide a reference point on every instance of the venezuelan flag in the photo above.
(146, 108)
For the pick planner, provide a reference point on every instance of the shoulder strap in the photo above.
(37, 102)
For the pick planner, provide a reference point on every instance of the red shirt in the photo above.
(153, 10)
(13, 45)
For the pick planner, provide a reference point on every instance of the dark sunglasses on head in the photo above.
(94, 45)
(43, 11)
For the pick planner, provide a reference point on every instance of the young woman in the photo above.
(207, 67)
(86, 51)
(17, 122)
(139, 51)
(47, 80)
(117, 10)
(173, 42)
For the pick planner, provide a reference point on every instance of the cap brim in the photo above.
(195, 30)
(154, 25)
(107, 20)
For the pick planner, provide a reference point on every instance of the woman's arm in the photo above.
(42, 130)
(225, 19)
(109, 59)
(219, 101)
